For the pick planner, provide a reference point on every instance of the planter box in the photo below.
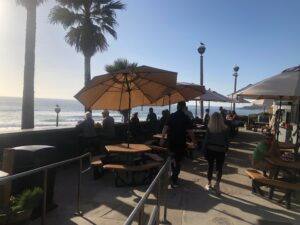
(16, 218)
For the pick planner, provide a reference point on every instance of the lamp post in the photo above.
(235, 74)
(57, 110)
(201, 50)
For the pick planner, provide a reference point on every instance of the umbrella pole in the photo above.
(297, 130)
(196, 109)
(208, 104)
(169, 103)
(129, 109)
(277, 120)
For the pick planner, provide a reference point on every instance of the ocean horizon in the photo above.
(72, 111)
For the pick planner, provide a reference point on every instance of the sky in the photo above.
(262, 37)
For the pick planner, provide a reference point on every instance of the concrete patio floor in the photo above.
(103, 203)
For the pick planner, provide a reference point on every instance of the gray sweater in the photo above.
(216, 141)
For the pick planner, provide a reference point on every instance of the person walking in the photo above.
(215, 146)
(176, 128)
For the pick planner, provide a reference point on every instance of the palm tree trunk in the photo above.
(87, 73)
(28, 89)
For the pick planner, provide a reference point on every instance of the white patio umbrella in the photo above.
(211, 96)
(283, 86)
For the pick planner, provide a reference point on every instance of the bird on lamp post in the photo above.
(201, 50)
(235, 74)
(57, 109)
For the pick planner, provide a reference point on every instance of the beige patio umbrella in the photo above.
(182, 92)
(125, 89)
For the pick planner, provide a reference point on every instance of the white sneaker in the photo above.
(208, 187)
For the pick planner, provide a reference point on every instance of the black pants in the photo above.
(177, 155)
(211, 157)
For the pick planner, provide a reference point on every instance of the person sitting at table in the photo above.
(189, 113)
(267, 147)
(163, 119)
(206, 118)
(135, 126)
(87, 133)
(234, 116)
(108, 126)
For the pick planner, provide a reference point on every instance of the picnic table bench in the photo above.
(150, 168)
(258, 179)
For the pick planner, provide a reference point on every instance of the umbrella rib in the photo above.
(122, 89)
(148, 80)
(141, 90)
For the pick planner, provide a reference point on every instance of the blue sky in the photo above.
(262, 37)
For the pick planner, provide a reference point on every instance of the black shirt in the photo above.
(178, 124)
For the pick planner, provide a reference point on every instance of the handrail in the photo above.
(139, 208)
(4, 180)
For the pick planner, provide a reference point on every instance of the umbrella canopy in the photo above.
(212, 96)
(263, 102)
(284, 86)
(126, 88)
(182, 92)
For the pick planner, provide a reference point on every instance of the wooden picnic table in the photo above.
(279, 163)
(123, 148)
(286, 145)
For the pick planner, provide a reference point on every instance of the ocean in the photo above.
(71, 112)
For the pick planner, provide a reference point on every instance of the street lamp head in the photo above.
(236, 68)
(57, 109)
(201, 48)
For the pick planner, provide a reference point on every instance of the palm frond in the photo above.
(72, 4)
(64, 16)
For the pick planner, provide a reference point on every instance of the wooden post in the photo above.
(8, 165)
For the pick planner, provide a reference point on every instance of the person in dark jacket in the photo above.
(177, 128)
(215, 146)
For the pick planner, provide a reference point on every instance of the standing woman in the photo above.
(215, 146)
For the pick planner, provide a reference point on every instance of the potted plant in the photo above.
(21, 207)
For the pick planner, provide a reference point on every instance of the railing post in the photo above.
(43, 221)
(158, 200)
(78, 212)
(165, 189)
(141, 215)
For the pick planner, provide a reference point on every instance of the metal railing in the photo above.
(161, 183)
(45, 169)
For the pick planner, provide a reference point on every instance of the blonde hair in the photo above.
(216, 123)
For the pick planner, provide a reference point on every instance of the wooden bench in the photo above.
(151, 168)
(96, 164)
(258, 178)
(158, 148)
(154, 157)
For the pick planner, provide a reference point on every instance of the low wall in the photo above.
(66, 140)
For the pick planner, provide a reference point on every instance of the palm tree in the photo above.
(28, 89)
(121, 64)
(87, 22)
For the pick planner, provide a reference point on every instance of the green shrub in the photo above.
(26, 201)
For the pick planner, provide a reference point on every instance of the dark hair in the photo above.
(206, 110)
(181, 105)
